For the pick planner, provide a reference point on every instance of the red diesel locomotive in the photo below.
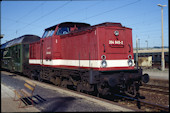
(95, 59)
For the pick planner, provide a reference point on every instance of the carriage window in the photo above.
(63, 30)
(18, 52)
(6, 53)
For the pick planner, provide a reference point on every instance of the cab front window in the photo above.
(45, 34)
(48, 33)
(52, 32)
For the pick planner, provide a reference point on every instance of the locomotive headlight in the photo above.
(130, 63)
(104, 63)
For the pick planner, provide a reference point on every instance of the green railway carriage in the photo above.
(15, 53)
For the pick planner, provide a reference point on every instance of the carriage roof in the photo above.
(25, 39)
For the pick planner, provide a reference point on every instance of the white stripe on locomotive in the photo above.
(82, 63)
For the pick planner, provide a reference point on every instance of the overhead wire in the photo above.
(112, 9)
(26, 14)
(31, 11)
(47, 14)
(68, 14)
(43, 16)
(75, 12)
(13, 20)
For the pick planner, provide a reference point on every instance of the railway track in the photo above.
(139, 104)
(155, 88)
(136, 104)
(143, 105)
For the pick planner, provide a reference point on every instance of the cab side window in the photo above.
(63, 30)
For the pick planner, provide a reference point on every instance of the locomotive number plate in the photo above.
(116, 43)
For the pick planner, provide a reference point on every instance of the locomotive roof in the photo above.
(69, 24)
(110, 24)
(79, 24)
(25, 39)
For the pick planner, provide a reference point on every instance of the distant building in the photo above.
(156, 55)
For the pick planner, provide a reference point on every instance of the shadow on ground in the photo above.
(56, 104)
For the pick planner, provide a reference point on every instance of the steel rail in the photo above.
(155, 88)
(146, 104)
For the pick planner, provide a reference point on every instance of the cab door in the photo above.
(41, 51)
(48, 49)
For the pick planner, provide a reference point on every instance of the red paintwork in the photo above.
(86, 45)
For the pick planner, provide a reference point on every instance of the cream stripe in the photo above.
(82, 63)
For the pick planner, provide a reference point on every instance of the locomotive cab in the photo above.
(67, 27)
(64, 28)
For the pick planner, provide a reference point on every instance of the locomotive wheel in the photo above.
(95, 92)
(79, 87)
(31, 76)
(102, 89)
(57, 81)
(132, 90)
(99, 95)
(39, 78)
(64, 83)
